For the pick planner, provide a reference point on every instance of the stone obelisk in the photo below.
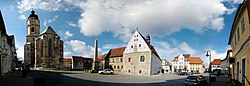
(95, 66)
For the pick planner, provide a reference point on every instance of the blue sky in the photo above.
(175, 26)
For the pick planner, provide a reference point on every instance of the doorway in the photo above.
(243, 70)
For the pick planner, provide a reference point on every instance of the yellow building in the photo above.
(239, 41)
(116, 59)
(196, 64)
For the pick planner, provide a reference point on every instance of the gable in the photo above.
(136, 44)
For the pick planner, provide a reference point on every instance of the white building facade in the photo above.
(166, 66)
(140, 58)
(180, 63)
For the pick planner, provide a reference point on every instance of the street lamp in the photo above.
(209, 54)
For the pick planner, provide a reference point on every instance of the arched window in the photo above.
(114, 67)
(129, 59)
(140, 71)
(142, 59)
(131, 46)
(118, 67)
(122, 67)
(128, 71)
(32, 29)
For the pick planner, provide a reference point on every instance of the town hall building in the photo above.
(42, 49)
(140, 57)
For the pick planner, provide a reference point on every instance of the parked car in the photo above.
(195, 80)
(183, 73)
(189, 73)
(106, 71)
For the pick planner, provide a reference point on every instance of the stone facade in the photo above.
(42, 49)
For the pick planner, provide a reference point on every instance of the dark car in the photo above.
(189, 73)
(195, 80)
(183, 73)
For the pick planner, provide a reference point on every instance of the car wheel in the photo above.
(101, 72)
(111, 72)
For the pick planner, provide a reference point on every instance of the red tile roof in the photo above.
(100, 57)
(77, 59)
(216, 62)
(67, 60)
(150, 46)
(117, 52)
(195, 60)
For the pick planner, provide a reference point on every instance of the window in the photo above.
(114, 67)
(142, 59)
(242, 25)
(129, 59)
(128, 71)
(32, 29)
(131, 46)
(238, 33)
(139, 71)
(235, 40)
(3, 43)
(139, 45)
(121, 67)
(118, 67)
(121, 59)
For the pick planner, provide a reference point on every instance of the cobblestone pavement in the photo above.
(79, 78)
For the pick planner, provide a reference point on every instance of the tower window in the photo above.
(32, 29)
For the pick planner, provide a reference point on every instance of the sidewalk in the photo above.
(221, 81)
(14, 78)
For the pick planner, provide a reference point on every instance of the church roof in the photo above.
(33, 15)
(48, 30)
(2, 26)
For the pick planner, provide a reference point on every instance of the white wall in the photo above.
(156, 64)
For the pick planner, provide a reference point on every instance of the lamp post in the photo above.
(209, 54)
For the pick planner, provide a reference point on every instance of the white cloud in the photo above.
(49, 21)
(111, 46)
(67, 54)
(186, 48)
(22, 17)
(170, 50)
(20, 51)
(121, 17)
(71, 23)
(47, 5)
(68, 34)
(157, 17)
(81, 48)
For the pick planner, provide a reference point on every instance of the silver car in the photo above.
(106, 71)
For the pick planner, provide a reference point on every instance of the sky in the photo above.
(175, 26)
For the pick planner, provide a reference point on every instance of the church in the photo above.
(42, 50)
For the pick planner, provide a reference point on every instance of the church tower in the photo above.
(33, 31)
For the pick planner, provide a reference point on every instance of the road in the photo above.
(78, 78)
